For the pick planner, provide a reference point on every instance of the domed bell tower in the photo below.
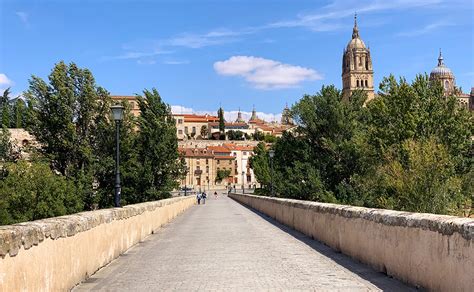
(357, 73)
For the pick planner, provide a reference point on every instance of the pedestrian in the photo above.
(215, 195)
(204, 196)
(198, 197)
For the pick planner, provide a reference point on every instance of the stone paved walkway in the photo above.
(223, 246)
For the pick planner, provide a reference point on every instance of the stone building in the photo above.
(357, 72)
(130, 99)
(202, 167)
(286, 116)
(441, 73)
(189, 126)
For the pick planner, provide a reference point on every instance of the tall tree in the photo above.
(220, 115)
(19, 113)
(63, 115)
(157, 146)
(5, 107)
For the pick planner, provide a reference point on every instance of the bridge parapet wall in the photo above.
(430, 251)
(55, 254)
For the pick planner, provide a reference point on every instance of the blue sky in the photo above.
(200, 54)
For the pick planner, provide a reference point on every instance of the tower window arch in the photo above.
(366, 83)
(358, 83)
(446, 85)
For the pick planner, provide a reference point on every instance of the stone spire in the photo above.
(254, 114)
(239, 117)
(440, 59)
(355, 30)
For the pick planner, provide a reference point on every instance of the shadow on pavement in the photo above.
(379, 279)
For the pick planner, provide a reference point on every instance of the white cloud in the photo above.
(24, 17)
(424, 30)
(178, 109)
(5, 81)
(264, 73)
(229, 116)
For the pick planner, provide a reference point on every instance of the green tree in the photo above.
(222, 174)
(235, 135)
(260, 164)
(220, 115)
(5, 107)
(157, 145)
(19, 113)
(204, 132)
(6, 147)
(63, 118)
(418, 177)
(32, 191)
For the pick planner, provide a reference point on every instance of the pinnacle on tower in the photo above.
(355, 30)
(440, 59)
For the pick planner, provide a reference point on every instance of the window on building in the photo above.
(180, 132)
(207, 160)
(218, 162)
(180, 121)
(198, 168)
(207, 169)
(230, 162)
(186, 130)
(245, 152)
(194, 130)
(358, 84)
(366, 83)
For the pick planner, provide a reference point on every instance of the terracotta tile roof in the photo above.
(219, 149)
(224, 157)
(196, 152)
(190, 118)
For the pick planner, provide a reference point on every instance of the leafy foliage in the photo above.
(408, 149)
(32, 191)
(222, 174)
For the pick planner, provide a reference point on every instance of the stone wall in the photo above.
(55, 254)
(430, 251)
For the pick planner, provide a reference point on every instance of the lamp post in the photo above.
(117, 114)
(271, 153)
(243, 187)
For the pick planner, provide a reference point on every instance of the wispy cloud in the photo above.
(176, 62)
(24, 17)
(264, 73)
(211, 38)
(136, 55)
(425, 30)
(328, 18)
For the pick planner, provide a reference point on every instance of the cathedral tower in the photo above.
(444, 75)
(357, 73)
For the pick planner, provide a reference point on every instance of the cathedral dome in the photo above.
(441, 71)
(355, 43)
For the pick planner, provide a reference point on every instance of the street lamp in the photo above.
(271, 153)
(243, 187)
(117, 114)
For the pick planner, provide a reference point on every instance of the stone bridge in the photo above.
(240, 243)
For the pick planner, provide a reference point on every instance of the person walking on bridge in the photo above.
(204, 196)
(198, 197)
